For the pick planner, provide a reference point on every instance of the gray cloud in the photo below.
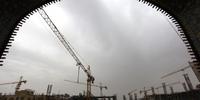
(127, 44)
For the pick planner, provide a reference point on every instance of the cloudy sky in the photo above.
(127, 44)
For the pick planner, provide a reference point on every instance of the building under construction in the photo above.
(28, 94)
(190, 95)
(25, 95)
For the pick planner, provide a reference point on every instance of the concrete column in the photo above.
(164, 88)
(172, 90)
(130, 97)
(115, 97)
(124, 97)
(135, 96)
(189, 83)
(185, 87)
(153, 90)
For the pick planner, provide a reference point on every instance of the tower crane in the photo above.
(66, 44)
(94, 85)
(19, 83)
(185, 75)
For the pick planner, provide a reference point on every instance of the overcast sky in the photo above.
(127, 44)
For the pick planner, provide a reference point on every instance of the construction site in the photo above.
(110, 54)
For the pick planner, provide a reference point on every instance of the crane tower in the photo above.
(19, 83)
(66, 44)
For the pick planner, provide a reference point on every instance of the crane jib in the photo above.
(64, 42)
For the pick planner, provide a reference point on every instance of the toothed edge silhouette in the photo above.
(180, 29)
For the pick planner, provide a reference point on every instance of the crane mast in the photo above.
(66, 44)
